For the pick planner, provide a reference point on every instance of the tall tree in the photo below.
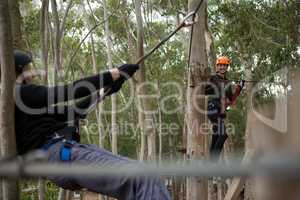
(59, 28)
(44, 36)
(98, 110)
(44, 41)
(16, 22)
(196, 189)
(7, 119)
(141, 75)
(145, 116)
(114, 126)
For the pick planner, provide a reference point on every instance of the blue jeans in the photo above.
(123, 188)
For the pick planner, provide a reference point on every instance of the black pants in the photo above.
(219, 135)
(218, 139)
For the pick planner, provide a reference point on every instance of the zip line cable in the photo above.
(163, 41)
(81, 42)
(182, 24)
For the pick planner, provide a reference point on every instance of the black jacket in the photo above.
(218, 87)
(33, 126)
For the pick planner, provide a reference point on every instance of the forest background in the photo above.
(70, 39)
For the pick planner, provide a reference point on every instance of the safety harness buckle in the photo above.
(65, 151)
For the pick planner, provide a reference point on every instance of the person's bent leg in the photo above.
(218, 139)
(222, 136)
(120, 187)
(220, 144)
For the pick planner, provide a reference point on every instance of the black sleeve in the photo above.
(36, 96)
(78, 110)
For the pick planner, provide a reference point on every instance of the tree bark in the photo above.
(114, 125)
(145, 115)
(141, 76)
(196, 188)
(160, 132)
(7, 105)
(62, 194)
(16, 22)
(56, 42)
(249, 187)
(98, 111)
(44, 36)
(268, 140)
(59, 27)
(41, 189)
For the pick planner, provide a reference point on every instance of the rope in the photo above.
(182, 24)
(81, 42)
(163, 41)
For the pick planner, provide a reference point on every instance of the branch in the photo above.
(63, 22)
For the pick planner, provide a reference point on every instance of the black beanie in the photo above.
(21, 59)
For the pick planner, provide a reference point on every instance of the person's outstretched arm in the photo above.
(78, 110)
(38, 96)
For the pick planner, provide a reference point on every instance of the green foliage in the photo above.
(31, 29)
(51, 190)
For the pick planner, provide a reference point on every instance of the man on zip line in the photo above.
(41, 123)
(221, 95)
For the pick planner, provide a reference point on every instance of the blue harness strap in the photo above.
(65, 151)
(51, 142)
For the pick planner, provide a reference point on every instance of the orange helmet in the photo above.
(223, 60)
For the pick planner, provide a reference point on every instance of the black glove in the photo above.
(116, 86)
(127, 70)
(242, 83)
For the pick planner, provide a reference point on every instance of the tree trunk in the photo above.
(196, 188)
(59, 27)
(44, 40)
(44, 36)
(56, 42)
(62, 194)
(145, 115)
(131, 49)
(41, 189)
(249, 190)
(7, 105)
(141, 76)
(98, 111)
(114, 126)
(268, 140)
(16, 22)
(160, 133)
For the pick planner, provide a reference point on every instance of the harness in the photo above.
(65, 151)
(68, 136)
